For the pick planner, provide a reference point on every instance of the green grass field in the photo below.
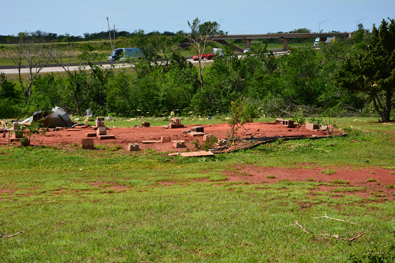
(71, 205)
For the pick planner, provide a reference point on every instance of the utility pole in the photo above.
(114, 37)
(109, 32)
(319, 25)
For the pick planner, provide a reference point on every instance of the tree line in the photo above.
(351, 76)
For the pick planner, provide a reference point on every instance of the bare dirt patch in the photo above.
(345, 178)
(124, 136)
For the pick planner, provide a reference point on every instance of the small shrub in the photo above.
(370, 180)
(270, 176)
(390, 186)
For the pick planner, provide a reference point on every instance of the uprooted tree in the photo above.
(372, 69)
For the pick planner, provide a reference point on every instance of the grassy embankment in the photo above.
(109, 205)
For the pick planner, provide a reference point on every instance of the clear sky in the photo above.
(77, 17)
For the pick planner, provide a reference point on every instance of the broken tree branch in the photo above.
(328, 235)
(356, 237)
(9, 236)
(336, 219)
(304, 229)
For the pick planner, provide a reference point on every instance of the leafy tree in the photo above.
(9, 98)
(199, 37)
(372, 69)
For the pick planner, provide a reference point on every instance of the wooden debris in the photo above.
(105, 137)
(150, 141)
(194, 134)
(356, 237)
(335, 219)
(196, 154)
(9, 236)
(304, 229)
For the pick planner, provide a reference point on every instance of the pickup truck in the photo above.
(204, 56)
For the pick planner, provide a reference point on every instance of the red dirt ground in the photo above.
(124, 136)
(357, 177)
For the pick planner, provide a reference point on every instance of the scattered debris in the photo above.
(179, 144)
(164, 139)
(175, 123)
(325, 216)
(133, 147)
(87, 144)
(197, 154)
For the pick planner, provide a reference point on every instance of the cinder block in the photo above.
(133, 147)
(90, 134)
(186, 131)
(179, 144)
(207, 137)
(222, 142)
(311, 126)
(164, 139)
(16, 136)
(145, 124)
(87, 144)
(279, 120)
(101, 131)
(197, 129)
(99, 122)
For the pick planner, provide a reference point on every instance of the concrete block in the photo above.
(186, 131)
(164, 139)
(289, 123)
(16, 136)
(106, 137)
(101, 131)
(279, 120)
(99, 122)
(207, 137)
(194, 134)
(179, 144)
(222, 142)
(311, 126)
(145, 124)
(87, 144)
(197, 129)
(133, 147)
(90, 134)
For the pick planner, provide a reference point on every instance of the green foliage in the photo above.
(372, 69)
(10, 98)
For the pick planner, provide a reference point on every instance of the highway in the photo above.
(12, 69)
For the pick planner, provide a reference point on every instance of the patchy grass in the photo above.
(328, 171)
(370, 180)
(70, 205)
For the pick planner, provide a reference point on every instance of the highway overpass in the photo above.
(283, 36)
